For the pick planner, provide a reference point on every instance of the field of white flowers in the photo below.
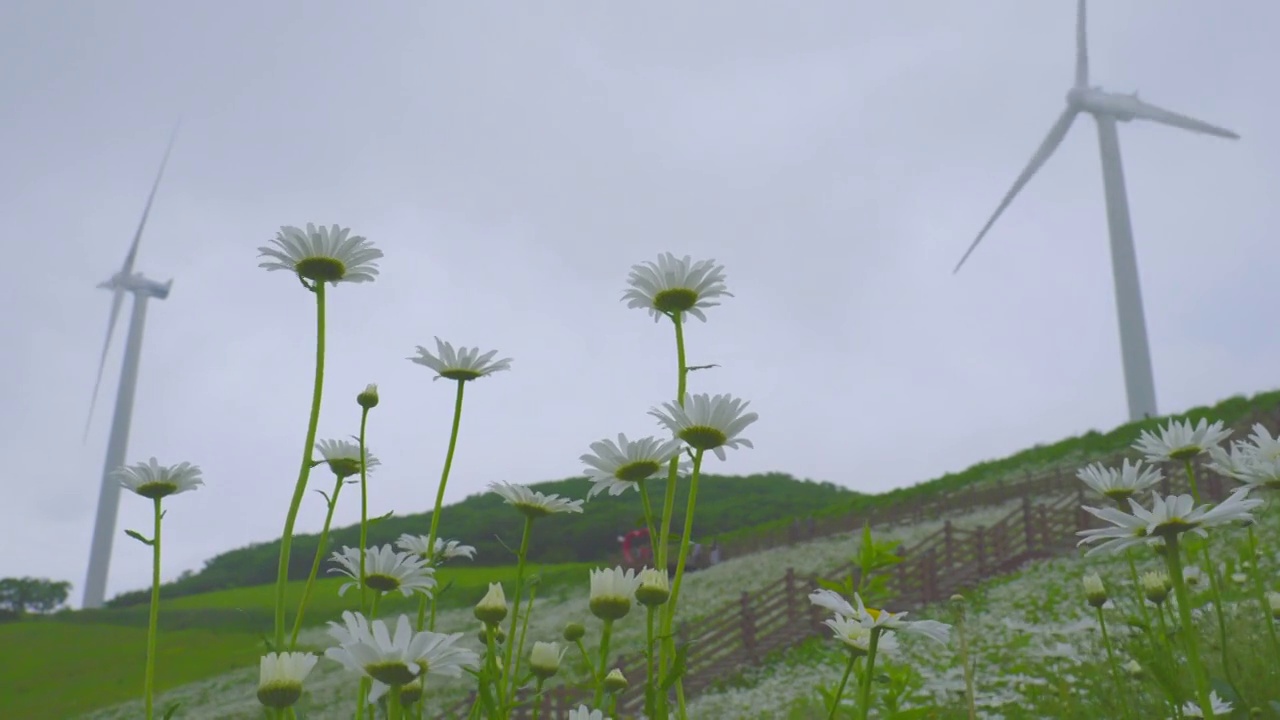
(1033, 639)
(330, 696)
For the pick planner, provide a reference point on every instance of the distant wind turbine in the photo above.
(1107, 109)
(125, 281)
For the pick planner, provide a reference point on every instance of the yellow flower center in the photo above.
(675, 300)
(637, 471)
(321, 269)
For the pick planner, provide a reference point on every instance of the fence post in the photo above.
(980, 550)
(946, 538)
(1026, 522)
(790, 584)
(929, 579)
(748, 629)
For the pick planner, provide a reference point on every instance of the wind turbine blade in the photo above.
(1082, 48)
(1146, 111)
(116, 300)
(127, 269)
(1051, 143)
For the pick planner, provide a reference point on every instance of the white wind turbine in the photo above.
(142, 289)
(1108, 109)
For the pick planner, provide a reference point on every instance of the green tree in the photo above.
(22, 595)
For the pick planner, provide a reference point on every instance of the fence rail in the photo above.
(779, 616)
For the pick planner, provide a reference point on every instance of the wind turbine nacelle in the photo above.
(1099, 102)
(137, 283)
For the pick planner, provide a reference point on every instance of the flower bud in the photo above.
(1273, 601)
(654, 587)
(615, 682)
(573, 632)
(544, 659)
(369, 398)
(1155, 586)
(1094, 590)
(492, 608)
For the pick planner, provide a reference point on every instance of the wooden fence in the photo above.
(779, 616)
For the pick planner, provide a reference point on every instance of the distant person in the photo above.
(715, 552)
(695, 555)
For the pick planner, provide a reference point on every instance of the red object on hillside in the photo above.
(642, 554)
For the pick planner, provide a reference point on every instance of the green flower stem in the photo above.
(1137, 586)
(669, 503)
(586, 657)
(605, 635)
(844, 680)
(315, 563)
(648, 520)
(286, 538)
(650, 677)
(1215, 585)
(507, 668)
(1191, 480)
(524, 628)
(364, 507)
(444, 480)
(364, 541)
(149, 681)
(864, 703)
(1111, 660)
(537, 699)
(395, 711)
(1260, 588)
(1173, 561)
(669, 609)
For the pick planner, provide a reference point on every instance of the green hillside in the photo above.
(725, 503)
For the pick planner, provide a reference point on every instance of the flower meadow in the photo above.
(1154, 629)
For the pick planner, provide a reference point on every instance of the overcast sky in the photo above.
(513, 160)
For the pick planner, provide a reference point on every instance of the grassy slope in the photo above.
(210, 633)
(724, 504)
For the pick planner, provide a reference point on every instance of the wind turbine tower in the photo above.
(1108, 109)
(142, 289)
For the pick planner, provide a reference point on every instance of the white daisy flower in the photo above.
(343, 457)
(932, 629)
(461, 364)
(1179, 440)
(1177, 514)
(582, 712)
(533, 503)
(370, 649)
(708, 422)
(856, 635)
(444, 549)
(280, 677)
(322, 254)
(611, 592)
(670, 286)
(619, 466)
(385, 570)
(1121, 484)
(1256, 462)
(1125, 531)
(153, 481)
(1220, 707)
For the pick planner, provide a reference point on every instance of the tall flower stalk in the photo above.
(154, 482)
(462, 365)
(367, 400)
(317, 256)
(1199, 676)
